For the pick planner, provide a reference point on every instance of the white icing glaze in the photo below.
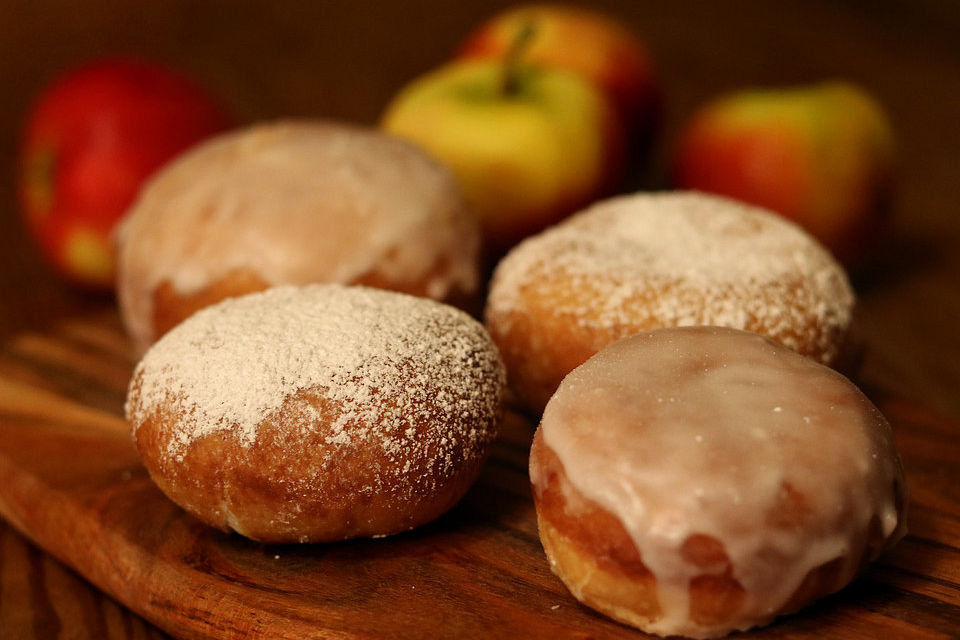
(381, 357)
(295, 202)
(711, 260)
(678, 432)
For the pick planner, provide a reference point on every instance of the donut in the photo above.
(646, 261)
(292, 203)
(317, 413)
(698, 480)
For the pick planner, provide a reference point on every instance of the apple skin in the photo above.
(523, 160)
(93, 137)
(585, 42)
(822, 156)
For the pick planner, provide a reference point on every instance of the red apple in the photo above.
(584, 42)
(820, 155)
(92, 139)
(528, 145)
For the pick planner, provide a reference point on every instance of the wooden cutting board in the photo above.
(71, 481)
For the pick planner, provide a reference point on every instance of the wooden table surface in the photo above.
(345, 59)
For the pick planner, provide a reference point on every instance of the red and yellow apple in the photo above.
(582, 41)
(528, 145)
(94, 136)
(821, 156)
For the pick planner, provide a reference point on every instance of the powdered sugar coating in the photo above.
(296, 203)
(379, 358)
(711, 260)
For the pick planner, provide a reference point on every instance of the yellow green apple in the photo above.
(528, 144)
(582, 41)
(820, 155)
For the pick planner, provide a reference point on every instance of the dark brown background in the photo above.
(345, 60)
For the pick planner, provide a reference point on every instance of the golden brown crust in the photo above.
(293, 203)
(170, 307)
(541, 345)
(647, 261)
(282, 490)
(592, 553)
(318, 413)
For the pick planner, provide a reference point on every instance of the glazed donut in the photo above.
(317, 413)
(293, 203)
(694, 481)
(646, 261)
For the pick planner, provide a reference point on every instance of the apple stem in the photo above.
(510, 84)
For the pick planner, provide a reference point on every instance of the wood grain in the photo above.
(346, 59)
(41, 598)
(71, 481)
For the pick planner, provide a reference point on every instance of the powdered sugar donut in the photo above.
(317, 413)
(645, 261)
(693, 481)
(293, 203)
